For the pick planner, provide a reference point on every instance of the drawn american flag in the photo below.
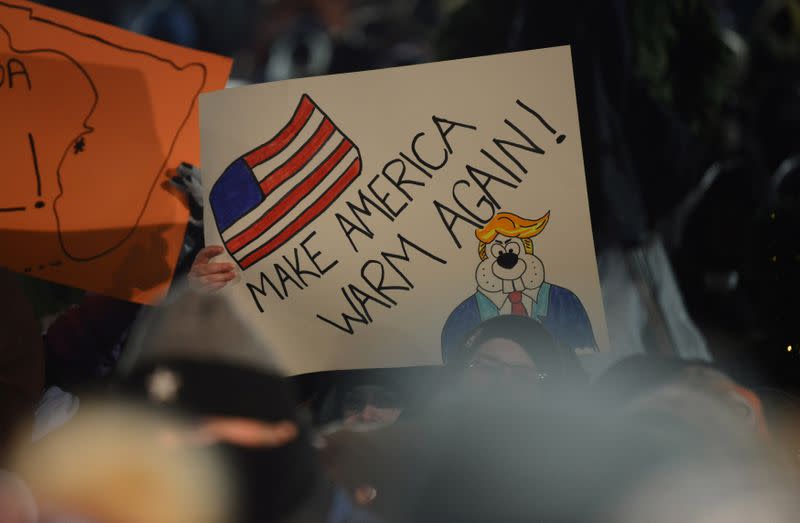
(268, 195)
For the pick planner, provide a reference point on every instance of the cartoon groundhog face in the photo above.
(509, 265)
(505, 246)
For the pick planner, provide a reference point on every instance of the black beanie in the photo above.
(196, 357)
(271, 482)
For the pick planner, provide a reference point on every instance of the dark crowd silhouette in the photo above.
(115, 412)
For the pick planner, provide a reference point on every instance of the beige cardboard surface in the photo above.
(308, 255)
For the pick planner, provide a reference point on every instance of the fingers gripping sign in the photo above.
(209, 276)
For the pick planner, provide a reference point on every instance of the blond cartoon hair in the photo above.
(512, 226)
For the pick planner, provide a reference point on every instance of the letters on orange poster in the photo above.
(93, 119)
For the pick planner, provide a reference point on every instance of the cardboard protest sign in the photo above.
(377, 217)
(93, 119)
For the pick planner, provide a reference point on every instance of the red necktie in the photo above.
(517, 308)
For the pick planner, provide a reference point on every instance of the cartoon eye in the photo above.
(514, 247)
(497, 250)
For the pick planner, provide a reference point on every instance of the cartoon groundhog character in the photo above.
(511, 280)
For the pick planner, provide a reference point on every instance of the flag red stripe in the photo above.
(309, 215)
(288, 202)
(284, 137)
(300, 158)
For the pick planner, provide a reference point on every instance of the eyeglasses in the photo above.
(516, 372)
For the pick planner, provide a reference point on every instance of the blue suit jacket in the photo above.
(557, 308)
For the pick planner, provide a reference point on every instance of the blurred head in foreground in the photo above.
(195, 356)
(113, 464)
(692, 394)
(550, 460)
(477, 456)
(16, 502)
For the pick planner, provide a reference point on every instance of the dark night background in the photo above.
(690, 115)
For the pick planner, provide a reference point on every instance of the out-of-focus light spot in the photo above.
(774, 258)
(789, 348)
(772, 216)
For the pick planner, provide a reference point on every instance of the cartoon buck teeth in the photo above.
(511, 280)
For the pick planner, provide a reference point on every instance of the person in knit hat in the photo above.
(196, 356)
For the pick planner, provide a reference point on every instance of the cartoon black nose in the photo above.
(507, 260)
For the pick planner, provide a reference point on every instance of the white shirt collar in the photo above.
(499, 297)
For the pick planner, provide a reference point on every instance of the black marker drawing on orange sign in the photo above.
(80, 144)
(39, 203)
(77, 170)
(253, 215)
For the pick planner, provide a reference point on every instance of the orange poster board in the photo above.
(94, 118)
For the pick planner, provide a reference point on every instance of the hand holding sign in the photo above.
(208, 276)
